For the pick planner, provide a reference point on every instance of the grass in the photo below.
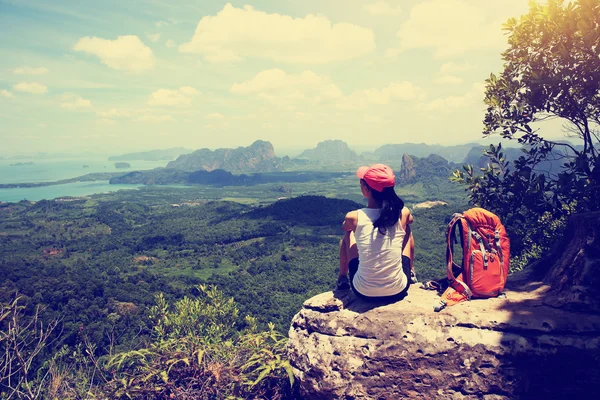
(241, 200)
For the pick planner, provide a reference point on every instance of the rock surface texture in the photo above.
(515, 347)
(407, 171)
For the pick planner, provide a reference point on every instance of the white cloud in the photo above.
(215, 116)
(26, 70)
(282, 89)
(395, 91)
(449, 80)
(188, 90)
(217, 125)
(451, 103)
(155, 118)
(170, 43)
(165, 97)
(106, 122)
(249, 116)
(272, 79)
(30, 87)
(392, 52)
(382, 8)
(453, 68)
(160, 24)
(114, 113)
(372, 118)
(235, 33)
(6, 93)
(71, 101)
(42, 126)
(154, 37)
(126, 53)
(451, 27)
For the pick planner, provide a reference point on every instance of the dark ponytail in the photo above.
(391, 207)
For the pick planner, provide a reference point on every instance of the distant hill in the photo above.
(425, 169)
(152, 155)
(330, 152)
(220, 177)
(552, 165)
(392, 153)
(258, 157)
(476, 157)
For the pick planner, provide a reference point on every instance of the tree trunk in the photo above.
(572, 269)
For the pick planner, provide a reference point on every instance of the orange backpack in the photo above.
(486, 257)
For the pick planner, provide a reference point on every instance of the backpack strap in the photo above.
(497, 243)
(453, 282)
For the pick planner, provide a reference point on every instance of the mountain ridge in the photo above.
(258, 157)
(330, 152)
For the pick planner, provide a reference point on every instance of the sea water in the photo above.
(50, 170)
(54, 191)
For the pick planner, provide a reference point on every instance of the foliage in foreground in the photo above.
(200, 350)
(551, 71)
(522, 198)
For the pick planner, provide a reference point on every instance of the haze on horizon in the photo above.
(116, 77)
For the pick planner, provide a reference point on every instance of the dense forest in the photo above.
(82, 259)
(96, 265)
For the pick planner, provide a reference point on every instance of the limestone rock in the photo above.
(258, 157)
(407, 171)
(514, 347)
(330, 152)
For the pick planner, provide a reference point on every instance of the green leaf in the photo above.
(261, 376)
(164, 376)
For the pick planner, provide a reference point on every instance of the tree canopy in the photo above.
(551, 71)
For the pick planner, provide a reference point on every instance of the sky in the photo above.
(116, 76)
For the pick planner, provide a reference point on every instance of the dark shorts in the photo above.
(353, 268)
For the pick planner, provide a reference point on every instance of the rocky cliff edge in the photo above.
(513, 347)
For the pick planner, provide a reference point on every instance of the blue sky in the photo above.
(116, 76)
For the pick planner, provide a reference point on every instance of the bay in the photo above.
(54, 191)
(56, 169)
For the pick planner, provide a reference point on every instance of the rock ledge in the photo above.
(513, 347)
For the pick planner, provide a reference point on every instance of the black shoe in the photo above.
(343, 283)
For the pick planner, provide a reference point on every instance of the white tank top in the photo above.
(380, 257)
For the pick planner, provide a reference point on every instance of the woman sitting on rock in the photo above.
(379, 236)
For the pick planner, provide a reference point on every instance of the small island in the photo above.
(122, 165)
(20, 164)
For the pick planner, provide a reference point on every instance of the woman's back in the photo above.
(380, 255)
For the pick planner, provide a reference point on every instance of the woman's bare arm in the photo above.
(351, 221)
